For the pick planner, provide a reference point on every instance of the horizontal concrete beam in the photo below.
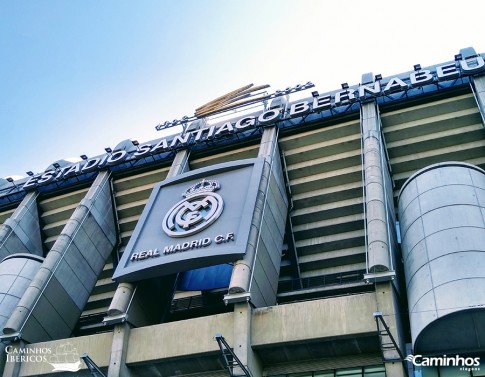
(326, 319)
(177, 339)
(314, 320)
(98, 347)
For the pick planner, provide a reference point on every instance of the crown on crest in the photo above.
(206, 185)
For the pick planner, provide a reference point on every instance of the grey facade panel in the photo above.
(21, 232)
(60, 286)
(16, 273)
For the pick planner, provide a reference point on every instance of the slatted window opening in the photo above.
(369, 371)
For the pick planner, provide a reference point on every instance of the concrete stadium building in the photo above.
(339, 234)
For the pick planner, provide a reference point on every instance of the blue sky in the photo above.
(80, 75)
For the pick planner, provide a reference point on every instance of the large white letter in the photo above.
(269, 116)
(395, 84)
(346, 95)
(299, 108)
(446, 72)
(245, 122)
(375, 91)
(465, 67)
(421, 77)
(322, 103)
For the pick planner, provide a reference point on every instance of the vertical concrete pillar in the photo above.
(12, 367)
(119, 346)
(125, 303)
(378, 195)
(52, 303)
(388, 305)
(247, 270)
(242, 340)
(479, 84)
(249, 280)
(21, 232)
(470, 62)
(125, 291)
(378, 259)
(241, 274)
(3, 356)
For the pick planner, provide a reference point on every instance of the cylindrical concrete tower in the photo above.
(442, 220)
(16, 273)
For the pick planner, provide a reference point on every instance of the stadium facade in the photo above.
(341, 234)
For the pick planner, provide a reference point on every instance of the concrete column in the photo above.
(242, 340)
(126, 305)
(125, 291)
(241, 274)
(266, 234)
(378, 248)
(117, 366)
(12, 368)
(376, 220)
(388, 305)
(52, 303)
(479, 84)
(21, 232)
(469, 61)
(3, 356)
(268, 141)
(121, 299)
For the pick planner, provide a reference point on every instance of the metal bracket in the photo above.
(375, 277)
(230, 359)
(93, 368)
(233, 298)
(390, 345)
(115, 319)
(11, 337)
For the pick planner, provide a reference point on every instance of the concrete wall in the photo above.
(186, 344)
(176, 339)
(312, 320)
(98, 348)
(442, 219)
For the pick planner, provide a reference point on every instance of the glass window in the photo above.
(453, 372)
(375, 371)
(354, 372)
(426, 372)
(323, 374)
(370, 371)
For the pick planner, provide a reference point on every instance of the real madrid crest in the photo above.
(200, 208)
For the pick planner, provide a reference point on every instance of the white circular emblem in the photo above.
(200, 208)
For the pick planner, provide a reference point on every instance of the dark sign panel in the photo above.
(194, 220)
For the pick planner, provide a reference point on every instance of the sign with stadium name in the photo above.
(318, 103)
